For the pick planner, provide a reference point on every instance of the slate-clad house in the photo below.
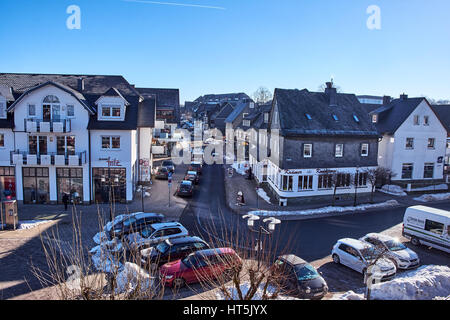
(218, 119)
(443, 113)
(83, 135)
(313, 134)
(413, 140)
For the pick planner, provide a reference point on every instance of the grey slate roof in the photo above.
(147, 113)
(392, 116)
(223, 97)
(295, 104)
(240, 107)
(5, 91)
(443, 113)
(166, 99)
(94, 87)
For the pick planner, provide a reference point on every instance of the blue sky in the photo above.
(247, 44)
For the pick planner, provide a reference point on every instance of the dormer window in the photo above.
(111, 111)
(355, 117)
(246, 123)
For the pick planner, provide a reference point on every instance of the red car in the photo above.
(200, 266)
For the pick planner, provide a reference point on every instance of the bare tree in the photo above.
(262, 95)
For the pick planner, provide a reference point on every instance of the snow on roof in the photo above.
(438, 212)
(357, 244)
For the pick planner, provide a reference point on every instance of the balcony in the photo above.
(47, 126)
(48, 159)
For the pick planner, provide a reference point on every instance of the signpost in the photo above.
(169, 181)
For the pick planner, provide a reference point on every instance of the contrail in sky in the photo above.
(176, 4)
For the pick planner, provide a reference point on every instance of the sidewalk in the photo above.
(254, 203)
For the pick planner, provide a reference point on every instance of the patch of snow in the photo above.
(28, 224)
(433, 197)
(263, 195)
(105, 257)
(131, 277)
(393, 190)
(432, 188)
(390, 203)
(245, 287)
(100, 238)
(240, 167)
(426, 283)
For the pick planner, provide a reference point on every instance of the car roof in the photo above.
(292, 259)
(166, 225)
(379, 236)
(195, 163)
(357, 244)
(192, 173)
(186, 182)
(188, 239)
(212, 252)
(140, 215)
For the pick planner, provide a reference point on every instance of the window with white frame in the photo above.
(2, 140)
(110, 142)
(339, 152)
(305, 183)
(32, 110)
(361, 179)
(307, 150)
(246, 123)
(416, 120)
(426, 120)
(266, 117)
(325, 181)
(409, 143)
(3, 114)
(70, 110)
(374, 118)
(431, 143)
(428, 171)
(287, 183)
(365, 150)
(407, 170)
(111, 111)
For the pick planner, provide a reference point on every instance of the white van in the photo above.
(427, 226)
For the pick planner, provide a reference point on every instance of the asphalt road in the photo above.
(208, 216)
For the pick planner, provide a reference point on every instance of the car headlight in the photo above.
(168, 277)
(308, 290)
(403, 260)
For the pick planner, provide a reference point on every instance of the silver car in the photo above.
(153, 234)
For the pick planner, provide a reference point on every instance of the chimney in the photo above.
(386, 100)
(331, 92)
(80, 84)
(403, 96)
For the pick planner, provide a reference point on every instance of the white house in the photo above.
(86, 136)
(413, 143)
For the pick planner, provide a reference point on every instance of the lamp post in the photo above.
(273, 222)
(356, 185)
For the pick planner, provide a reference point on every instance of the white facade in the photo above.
(429, 139)
(53, 152)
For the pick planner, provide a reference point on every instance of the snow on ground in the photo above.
(432, 188)
(106, 255)
(393, 190)
(245, 287)
(29, 224)
(426, 283)
(131, 277)
(433, 197)
(263, 195)
(240, 167)
(390, 203)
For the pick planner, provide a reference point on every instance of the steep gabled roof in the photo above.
(224, 112)
(443, 113)
(6, 92)
(393, 115)
(240, 107)
(295, 105)
(113, 92)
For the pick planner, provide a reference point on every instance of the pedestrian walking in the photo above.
(65, 200)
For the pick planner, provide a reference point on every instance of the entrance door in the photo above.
(110, 183)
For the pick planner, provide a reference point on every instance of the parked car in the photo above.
(152, 235)
(192, 176)
(170, 250)
(185, 189)
(427, 226)
(401, 256)
(196, 166)
(200, 266)
(169, 165)
(359, 255)
(299, 278)
(130, 223)
(162, 173)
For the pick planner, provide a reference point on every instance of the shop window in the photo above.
(70, 181)
(305, 183)
(428, 171)
(325, 181)
(407, 170)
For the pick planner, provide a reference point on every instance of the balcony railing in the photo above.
(48, 159)
(46, 126)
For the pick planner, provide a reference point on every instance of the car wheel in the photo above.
(415, 241)
(179, 283)
(336, 259)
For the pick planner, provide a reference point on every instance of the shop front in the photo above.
(110, 183)
(7, 183)
(70, 181)
(36, 185)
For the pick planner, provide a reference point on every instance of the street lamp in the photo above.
(272, 223)
(356, 185)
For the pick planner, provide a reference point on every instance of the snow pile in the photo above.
(105, 257)
(241, 167)
(100, 238)
(425, 283)
(390, 203)
(439, 187)
(29, 224)
(393, 190)
(245, 287)
(132, 277)
(433, 197)
(263, 195)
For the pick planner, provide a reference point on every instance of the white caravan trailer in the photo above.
(427, 226)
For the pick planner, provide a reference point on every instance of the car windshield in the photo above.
(147, 232)
(306, 272)
(167, 163)
(369, 253)
(163, 247)
(163, 169)
(395, 245)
